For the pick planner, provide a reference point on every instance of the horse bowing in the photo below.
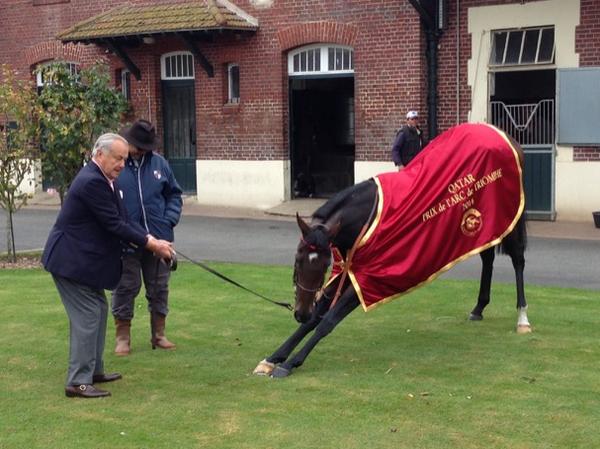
(461, 196)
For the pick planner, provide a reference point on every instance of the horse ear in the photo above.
(304, 227)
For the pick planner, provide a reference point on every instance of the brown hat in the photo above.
(141, 135)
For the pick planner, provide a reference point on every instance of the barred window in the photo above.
(523, 46)
(321, 59)
(177, 65)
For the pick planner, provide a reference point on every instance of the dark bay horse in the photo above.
(339, 223)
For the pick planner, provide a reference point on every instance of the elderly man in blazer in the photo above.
(83, 254)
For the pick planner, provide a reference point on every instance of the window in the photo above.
(126, 84)
(321, 59)
(522, 47)
(40, 78)
(177, 65)
(233, 83)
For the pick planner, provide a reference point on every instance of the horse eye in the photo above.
(312, 257)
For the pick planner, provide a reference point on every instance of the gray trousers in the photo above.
(156, 276)
(87, 311)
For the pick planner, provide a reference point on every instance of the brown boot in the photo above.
(123, 337)
(159, 339)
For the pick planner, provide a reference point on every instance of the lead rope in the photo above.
(348, 262)
(231, 281)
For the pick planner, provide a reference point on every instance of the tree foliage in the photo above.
(19, 114)
(77, 108)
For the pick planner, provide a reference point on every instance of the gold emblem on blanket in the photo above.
(471, 222)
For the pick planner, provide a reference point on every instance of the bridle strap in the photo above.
(309, 290)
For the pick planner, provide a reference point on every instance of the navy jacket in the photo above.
(151, 194)
(84, 244)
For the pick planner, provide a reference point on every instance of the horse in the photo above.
(338, 225)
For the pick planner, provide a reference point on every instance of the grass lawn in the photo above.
(411, 374)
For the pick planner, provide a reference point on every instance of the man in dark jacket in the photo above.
(83, 253)
(153, 200)
(408, 142)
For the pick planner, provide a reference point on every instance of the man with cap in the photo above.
(408, 142)
(152, 198)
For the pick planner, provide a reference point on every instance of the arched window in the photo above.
(40, 80)
(177, 65)
(321, 59)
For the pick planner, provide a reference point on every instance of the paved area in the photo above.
(584, 230)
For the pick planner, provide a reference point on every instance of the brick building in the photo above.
(251, 95)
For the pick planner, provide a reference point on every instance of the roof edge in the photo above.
(91, 19)
(240, 12)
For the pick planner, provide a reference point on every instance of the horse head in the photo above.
(313, 257)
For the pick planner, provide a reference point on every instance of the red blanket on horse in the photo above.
(462, 194)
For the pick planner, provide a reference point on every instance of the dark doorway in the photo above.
(321, 135)
(522, 105)
(528, 86)
(179, 118)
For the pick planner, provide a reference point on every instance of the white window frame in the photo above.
(125, 83)
(184, 63)
(39, 78)
(231, 98)
(494, 63)
(314, 60)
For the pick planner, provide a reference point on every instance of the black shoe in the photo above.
(100, 378)
(85, 391)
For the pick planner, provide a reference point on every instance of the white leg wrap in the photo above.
(523, 325)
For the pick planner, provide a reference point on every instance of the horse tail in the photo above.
(516, 241)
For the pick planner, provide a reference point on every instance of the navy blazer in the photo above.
(84, 244)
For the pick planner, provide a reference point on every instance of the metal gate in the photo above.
(532, 126)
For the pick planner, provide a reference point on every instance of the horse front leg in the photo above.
(265, 367)
(523, 326)
(347, 303)
(485, 284)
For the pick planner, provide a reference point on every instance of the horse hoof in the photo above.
(474, 317)
(279, 372)
(524, 329)
(264, 368)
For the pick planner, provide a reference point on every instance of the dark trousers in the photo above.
(87, 311)
(156, 276)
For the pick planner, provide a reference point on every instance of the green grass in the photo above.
(411, 374)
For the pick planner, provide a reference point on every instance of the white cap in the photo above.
(412, 114)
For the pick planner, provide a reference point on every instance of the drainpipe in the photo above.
(432, 34)
(432, 80)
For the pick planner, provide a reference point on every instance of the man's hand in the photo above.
(160, 248)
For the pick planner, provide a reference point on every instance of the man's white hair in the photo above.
(105, 141)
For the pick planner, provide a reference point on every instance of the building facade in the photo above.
(263, 101)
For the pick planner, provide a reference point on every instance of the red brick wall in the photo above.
(389, 56)
(389, 68)
(389, 75)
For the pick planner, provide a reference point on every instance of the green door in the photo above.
(179, 118)
(538, 179)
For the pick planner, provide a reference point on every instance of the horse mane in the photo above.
(338, 201)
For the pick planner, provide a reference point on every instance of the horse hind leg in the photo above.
(483, 299)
